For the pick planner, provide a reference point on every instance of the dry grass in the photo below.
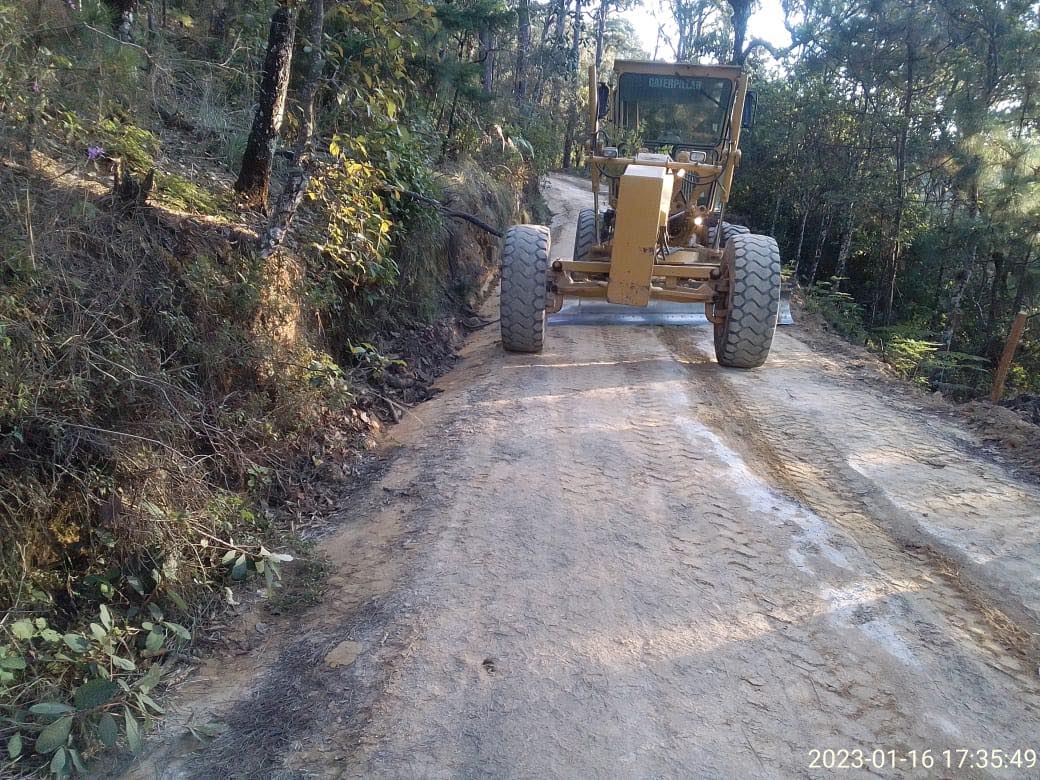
(167, 398)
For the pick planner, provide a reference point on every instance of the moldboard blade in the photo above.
(588, 312)
(657, 313)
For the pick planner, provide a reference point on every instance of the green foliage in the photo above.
(890, 149)
(371, 43)
(356, 236)
(139, 149)
(839, 309)
(182, 193)
(114, 529)
(915, 357)
(924, 362)
(163, 389)
(371, 361)
(137, 146)
(109, 681)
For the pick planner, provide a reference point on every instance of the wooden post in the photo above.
(1017, 328)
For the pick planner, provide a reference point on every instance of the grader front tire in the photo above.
(525, 260)
(751, 264)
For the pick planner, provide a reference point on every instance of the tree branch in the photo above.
(761, 43)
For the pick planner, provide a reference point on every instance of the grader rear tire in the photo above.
(525, 260)
(585, 234)
(751, 264)
(729, 229)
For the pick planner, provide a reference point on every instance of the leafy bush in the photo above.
(839, 309)
(355, 236)
(164, 390)
(131, 485)
(926, 363)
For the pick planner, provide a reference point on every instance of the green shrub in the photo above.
(839, 309)
(926, 363)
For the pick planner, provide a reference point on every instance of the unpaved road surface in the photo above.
(616, 559)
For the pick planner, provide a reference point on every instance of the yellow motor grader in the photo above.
(668, 159)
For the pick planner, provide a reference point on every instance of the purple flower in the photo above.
(35, 87)
(95, 152)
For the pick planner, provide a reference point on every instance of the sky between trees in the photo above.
(767, 21)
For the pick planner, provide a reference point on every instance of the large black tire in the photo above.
(525, 260)
(752, 265)
(585, 234)
(728, 231)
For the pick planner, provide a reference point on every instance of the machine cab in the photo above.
(683, 111)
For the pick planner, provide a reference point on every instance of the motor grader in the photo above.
(667, 155)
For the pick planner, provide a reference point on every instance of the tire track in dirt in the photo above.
(711, 634)
(806, 464)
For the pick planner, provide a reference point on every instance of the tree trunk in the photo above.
(953, 320)
(123, 18)
(575, 58)
(741, 15)
(1020, 282)
(254, 177)
(825, 226)
(997, 290)
(523, 43)
(846, 246)
(487, 58)
(896, 255)
(956, 310)
(299, 177)
(698, 33)
(312, 80)
(560, 22)
(955, 313)
(450, 133)
(601, 23)
(568, 138)
(776, 212)
(285, 207)
(801, 238)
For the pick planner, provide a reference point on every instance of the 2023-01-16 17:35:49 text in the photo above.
(948, 758)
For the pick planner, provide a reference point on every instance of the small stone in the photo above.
(343, 654)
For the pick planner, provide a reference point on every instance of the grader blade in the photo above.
(598, 312)
(784, 317)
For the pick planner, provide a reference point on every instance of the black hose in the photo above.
(449, 212)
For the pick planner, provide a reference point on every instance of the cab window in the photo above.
(674, 110)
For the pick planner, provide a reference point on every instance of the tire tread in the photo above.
(525, 261)
(744, 340)
(585, 234)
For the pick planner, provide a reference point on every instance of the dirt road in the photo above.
(616, 559)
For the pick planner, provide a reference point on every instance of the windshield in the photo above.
(673, 109)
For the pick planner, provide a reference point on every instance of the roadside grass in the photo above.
(169, 400)
(914, 353)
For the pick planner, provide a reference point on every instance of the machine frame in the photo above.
(662, 235)
(636, 269)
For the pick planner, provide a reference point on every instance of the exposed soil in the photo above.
(1012, 427)
(616, 559)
